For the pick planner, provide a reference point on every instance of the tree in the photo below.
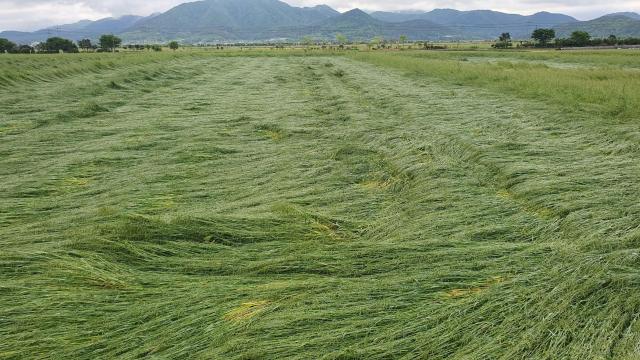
(307, 40)
(24, 49)
(341, 39)
(543, 36)
(403, 39)
(505, 37)
(109, 42)
(57, 44)
(580, 38)
(504, 41)
(85, 44)
(377, 41)
(174, 45)
(6, 45)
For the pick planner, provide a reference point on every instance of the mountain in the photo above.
(85, 29)
(545, 18)
(487, 24)
(354, 24)
(481, 24)
(360, 26)
(219, 20)
(474, 17)
(71, 27)
(631, 15)
(620, 25)
(271, 20)
(211, 21)
(112, 25)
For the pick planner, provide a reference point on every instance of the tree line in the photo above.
(546, 38)
(54, 45)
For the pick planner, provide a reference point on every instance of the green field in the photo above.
(289, 204)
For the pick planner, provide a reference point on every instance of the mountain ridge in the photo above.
(216, 21)
(619, 25)
(358, 25)
(482, 24)
(90, 29)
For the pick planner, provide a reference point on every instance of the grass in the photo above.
(605, 83)
(207, 205)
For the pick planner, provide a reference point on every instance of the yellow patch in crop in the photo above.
(376, 184)
(274, 135)
(162, 202)
(505, 194)
(74, 181)
(541, 212)
(458, 293)
(107, 211)
(246, 311)
(322, 228)
(8, 128)
(544, 212)
(167, 204)
(538, 211)
(318, 225)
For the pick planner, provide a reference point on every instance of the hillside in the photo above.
(631, 15)
(357, 25)
(112, 25)
(619, 25)
(85, 29)
(217, 20)
(481, 24)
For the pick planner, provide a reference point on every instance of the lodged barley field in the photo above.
(280, 204)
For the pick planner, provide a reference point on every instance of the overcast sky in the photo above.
(36, 14)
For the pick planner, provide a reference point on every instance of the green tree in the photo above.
(504, 41)
(6, 45)
(174, 45)
(57, 44)
(85, 44)
(505, 37)
(543, 36)
(307, 40)
(341, 39)
(403, 39)
(377, 41)
(24, 49)
(109, 42)
(580, 38)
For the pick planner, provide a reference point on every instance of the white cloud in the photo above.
(34, 14)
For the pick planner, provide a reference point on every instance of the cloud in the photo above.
(29, 15)
(35, 14)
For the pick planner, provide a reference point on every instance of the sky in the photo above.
(28, 15)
